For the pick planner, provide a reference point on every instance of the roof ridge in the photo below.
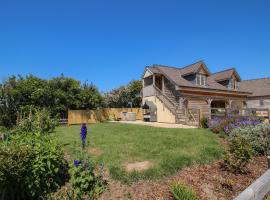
(159, 65)
(233, 68)
(180, 68)
(192, 64)
(255, 79)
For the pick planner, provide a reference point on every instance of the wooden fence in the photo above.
(105, 114)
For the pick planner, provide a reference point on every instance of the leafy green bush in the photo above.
(84, 182)
(258, 136)
(238, 155)
(204, 122)
(39, 122)
(182, 192)
(31, 166)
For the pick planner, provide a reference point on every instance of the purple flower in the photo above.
(77, 163)
(83, 134)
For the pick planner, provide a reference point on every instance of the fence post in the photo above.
(268, 161)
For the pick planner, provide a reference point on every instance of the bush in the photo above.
(238, 155)
(84, 182)
(39, 122)
(218, 125)
(182, 192)
(258, 136)
(204, 122)
(30, 167)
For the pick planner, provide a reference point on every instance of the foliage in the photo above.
(238, 155)
(221, 124)
(204, 122)
(31, 166)
(119, 97)
(8, 104)
(56, 95)
(258, 136)
(182, 192)
(2, 129)
(40, 121)
(84, 182)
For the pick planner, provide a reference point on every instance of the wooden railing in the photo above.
(193, 116)
(166, 100)
(148, 91)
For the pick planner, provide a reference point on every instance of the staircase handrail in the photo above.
(160, 93)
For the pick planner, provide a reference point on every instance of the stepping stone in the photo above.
(138, 166)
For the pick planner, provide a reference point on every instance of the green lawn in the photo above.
(169, 150)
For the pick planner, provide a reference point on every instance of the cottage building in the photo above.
(184, 95)
(260, 89)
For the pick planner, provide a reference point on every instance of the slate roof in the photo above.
(258, 87)
(226, 74)
(193, 68)
(175, 74)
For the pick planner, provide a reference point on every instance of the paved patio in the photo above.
(155, 124)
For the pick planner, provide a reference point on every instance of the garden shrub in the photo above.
(218, 124)
(258, 136)
(31, 166)
(182, 192)
(204, 122)
(84, 182)
(39, 122)
(238, 155)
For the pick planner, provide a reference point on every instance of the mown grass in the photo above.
(118, 144)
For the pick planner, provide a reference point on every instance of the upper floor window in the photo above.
(232, 84)
(261, 102)
(235, 84)
(200, 79)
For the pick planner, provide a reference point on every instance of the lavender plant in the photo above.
(241, 122)
(229, 123)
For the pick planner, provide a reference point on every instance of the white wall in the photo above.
(163, 114)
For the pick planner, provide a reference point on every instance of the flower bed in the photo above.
(221, 124)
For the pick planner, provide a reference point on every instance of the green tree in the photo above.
(119, 97)
(57, 95)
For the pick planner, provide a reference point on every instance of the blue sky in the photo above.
(109, 42)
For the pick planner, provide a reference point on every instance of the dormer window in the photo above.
(235, 84)
(200, 79)
(230, 85)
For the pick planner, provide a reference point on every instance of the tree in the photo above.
(119, 97)
(90, 97)
(57, 95)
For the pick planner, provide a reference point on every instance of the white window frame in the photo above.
(201, 79)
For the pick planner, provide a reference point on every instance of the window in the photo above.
(230, 84)
(200, 79)
(235, 84)
(203, 80)
(197, 79)
(261, 102)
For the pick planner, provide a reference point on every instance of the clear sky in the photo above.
(109, 42)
